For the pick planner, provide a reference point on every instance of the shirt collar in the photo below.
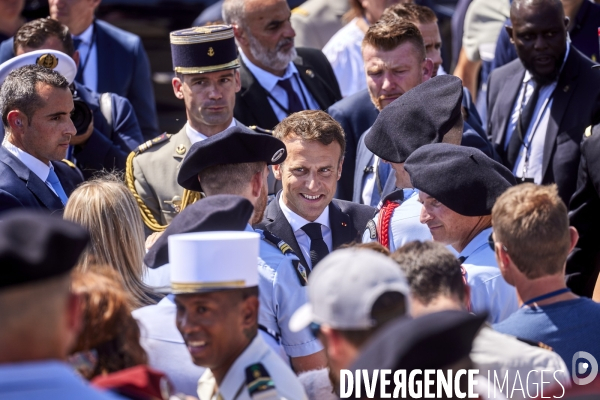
(235, 377)
(266, 79)
(33, 164)
(477, 242)
(86, 36)
(528, 76)
(297, 222)
(196, 136)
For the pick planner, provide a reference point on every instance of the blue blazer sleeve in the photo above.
(6, 50)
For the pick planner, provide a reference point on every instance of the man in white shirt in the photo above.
(36, 105)
(277, 78)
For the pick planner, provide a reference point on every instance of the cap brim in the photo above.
(596, 66)
(301, 318)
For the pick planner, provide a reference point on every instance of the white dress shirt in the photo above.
(90, 72)
(196, 136)
(33, 164)
(535, 137)
(297, 222)
(269, 82)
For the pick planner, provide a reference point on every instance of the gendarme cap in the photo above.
(344, 287)
(204, 49)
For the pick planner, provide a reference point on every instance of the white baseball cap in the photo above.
(53, 59)
(344, 286)
(209, 261)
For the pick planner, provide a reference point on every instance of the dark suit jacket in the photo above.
(252, 105)
(123, 69)
(21, 188)
(576, 106)
(348, 221)
(583, 263)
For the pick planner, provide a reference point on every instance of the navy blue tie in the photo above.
(294, 103)
(318, 248)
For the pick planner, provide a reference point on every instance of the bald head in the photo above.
(517, 5)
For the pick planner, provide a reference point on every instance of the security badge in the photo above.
(47, 60)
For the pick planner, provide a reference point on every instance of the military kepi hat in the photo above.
(464, 179)
(35, 246)
(204, 49)
(421, 116)
(234, 145)
(223, 212)
(211, 261)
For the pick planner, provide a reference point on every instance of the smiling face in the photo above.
(446, 226)
(209, 99)
(309, 175)
(213, 327)
(539, 34)
(392, 73)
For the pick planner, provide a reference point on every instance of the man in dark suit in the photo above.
(304, 214)
(112, 60)
(540, 105)
(36, 104)
(277, 79)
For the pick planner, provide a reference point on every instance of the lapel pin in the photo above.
(180, 149)
(566, 88)
(310, 73)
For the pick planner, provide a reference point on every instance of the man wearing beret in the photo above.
(36, 105)
(207, 78)
(217, 315)
(389, 46)
(458, 187)
(304, 213)
(235, 162)
(40, 315)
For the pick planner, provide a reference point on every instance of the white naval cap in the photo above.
(209, 261)
(53, 59)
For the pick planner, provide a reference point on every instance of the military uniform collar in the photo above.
(196, 136)
(235, 378)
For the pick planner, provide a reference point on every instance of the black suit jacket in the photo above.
(252, 105)
(347, 220)
(583, 263)
(21, 188)
(576, 106)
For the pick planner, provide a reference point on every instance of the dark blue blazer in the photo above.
(123, 69)
(21, 188)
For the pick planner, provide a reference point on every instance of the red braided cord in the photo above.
(385, 216)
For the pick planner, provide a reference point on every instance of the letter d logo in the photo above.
(583, 367)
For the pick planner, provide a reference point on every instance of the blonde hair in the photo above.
(108, 210)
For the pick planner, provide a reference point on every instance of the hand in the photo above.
(150, 240)
(80, 140)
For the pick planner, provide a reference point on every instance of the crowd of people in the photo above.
(345, 205)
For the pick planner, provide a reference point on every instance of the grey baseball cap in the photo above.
(345, 285)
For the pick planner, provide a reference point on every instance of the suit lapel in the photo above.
(312, 83)
(562, 97)
(341, 226)
(105, 64)
(254, 95)
(280, 227)
(505, 103)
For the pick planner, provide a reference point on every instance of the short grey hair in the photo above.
(18, 92)
(233, 12)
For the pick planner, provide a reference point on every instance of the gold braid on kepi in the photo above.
(189, 196)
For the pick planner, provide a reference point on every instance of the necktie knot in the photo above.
(313, 230)
(76, 43)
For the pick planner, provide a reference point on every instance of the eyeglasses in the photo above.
(315, 329)
(493, 244)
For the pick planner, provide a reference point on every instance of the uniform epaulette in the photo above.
(286, 249)
(535, 344)
(258, 129)
(69, 163)
(153, 142)
(259, 383)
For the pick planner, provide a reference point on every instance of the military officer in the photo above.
(235, 162)
(402, 127)
(206, 78)
(217, 316)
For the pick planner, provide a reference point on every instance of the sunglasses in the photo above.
(493, 244)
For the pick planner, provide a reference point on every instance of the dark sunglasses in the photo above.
(493, 244)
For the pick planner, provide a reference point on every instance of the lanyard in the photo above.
(546, 296)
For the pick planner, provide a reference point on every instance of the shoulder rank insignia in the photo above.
(286, 249)
(153, 142)
(259, 383)
(69, 163)
(372, 229)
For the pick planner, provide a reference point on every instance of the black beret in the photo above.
(35, 246)
(463, 179)
(203, 49)
(432, 341)
(222, 212)
(421, 116)
(234, 145)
